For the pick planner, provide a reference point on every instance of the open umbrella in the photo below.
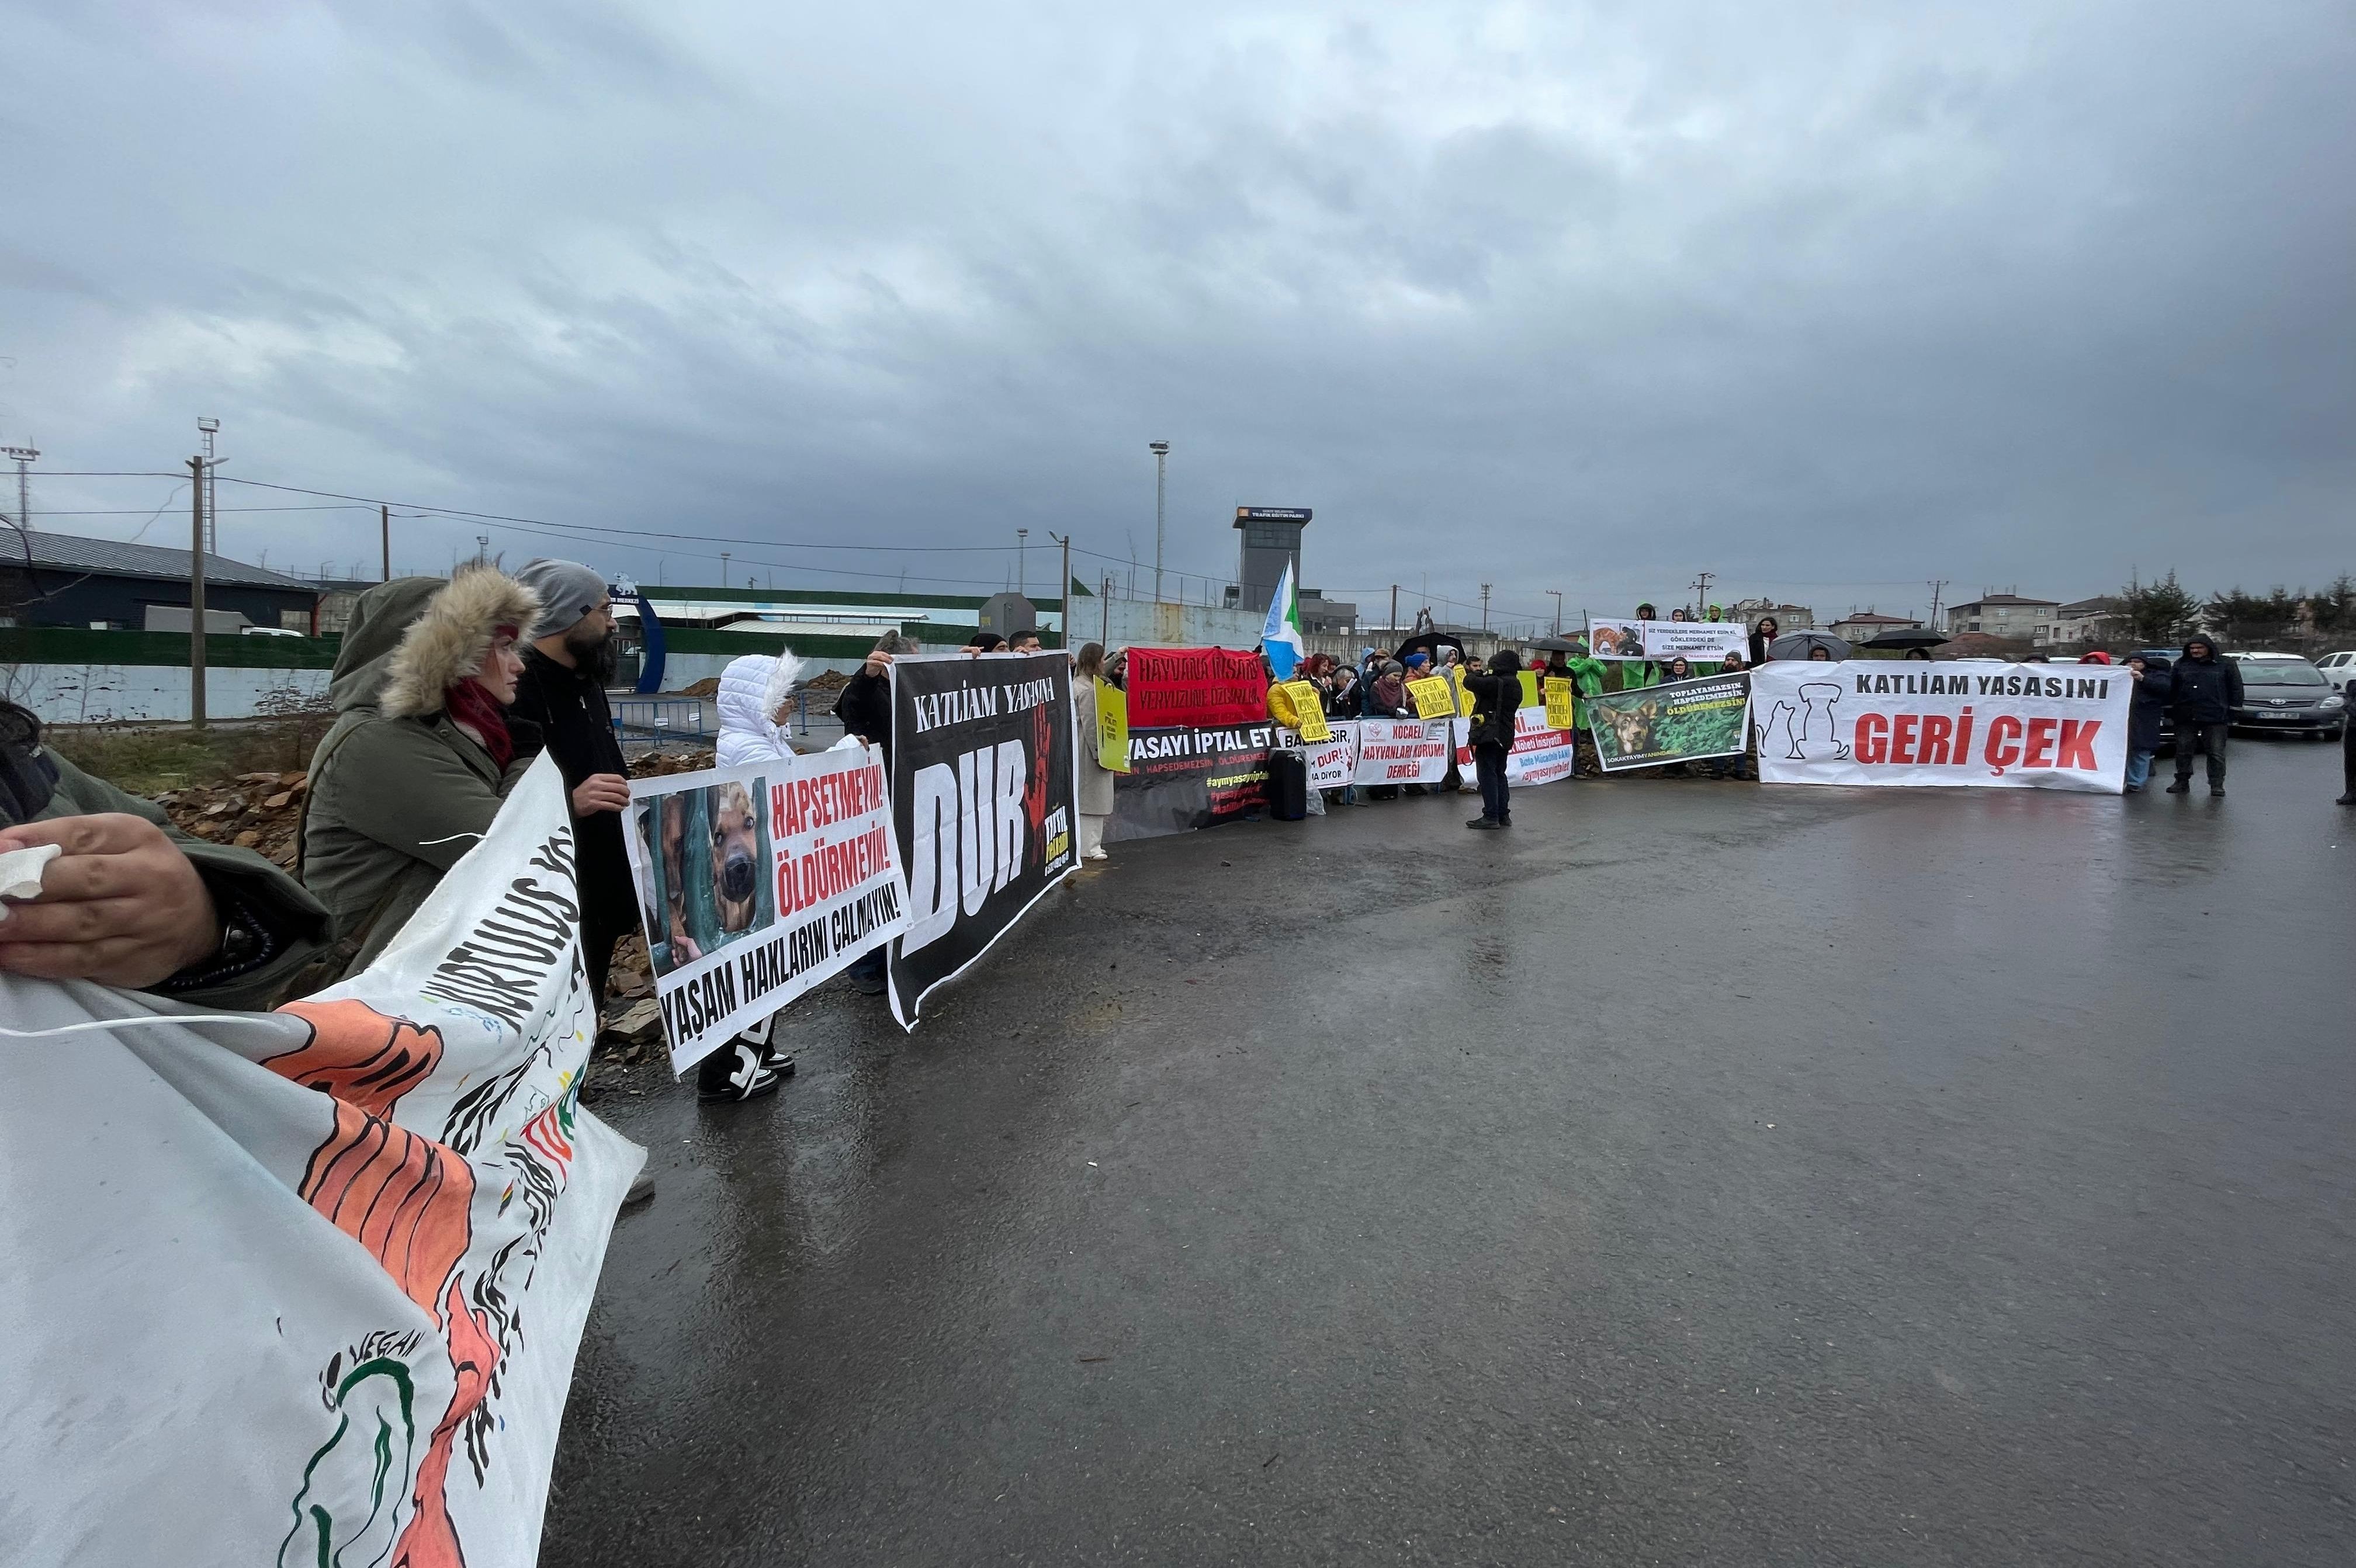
(1906, 638)
(1557, 645)
(1796, 646)
(1429, 643)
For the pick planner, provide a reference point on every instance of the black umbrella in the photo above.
(1429, 643)
(1796, 646)
(1906, 638)
(1557, 645)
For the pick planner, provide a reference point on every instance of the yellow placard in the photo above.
(1455, 674)
(1557, 702)
(1308, 710)
(1112, 729)
(1433, 699)
(1530, 697)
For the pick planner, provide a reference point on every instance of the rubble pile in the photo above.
(253, 811)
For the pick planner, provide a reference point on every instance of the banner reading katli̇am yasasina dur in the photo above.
(985, 784)
(757, 882)
(305, 1286)
(1986, 725)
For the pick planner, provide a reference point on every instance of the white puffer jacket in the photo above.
(751, 688)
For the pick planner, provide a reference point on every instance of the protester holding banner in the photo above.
(755, 696)
(127, 900)
(422, 752)
(1765, 632)
(566, 669)
(1094, 804)
(2146, 710)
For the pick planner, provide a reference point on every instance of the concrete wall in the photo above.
(110, 694)
(1141, 621)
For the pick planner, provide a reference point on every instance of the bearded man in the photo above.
(563, 690)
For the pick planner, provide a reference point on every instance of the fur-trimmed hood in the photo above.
(411, 640)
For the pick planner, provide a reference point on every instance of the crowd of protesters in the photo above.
(445, 691)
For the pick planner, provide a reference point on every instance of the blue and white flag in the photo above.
(1280, 639)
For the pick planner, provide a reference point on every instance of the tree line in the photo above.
(2164, 610)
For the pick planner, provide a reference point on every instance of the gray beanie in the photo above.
(568, 590)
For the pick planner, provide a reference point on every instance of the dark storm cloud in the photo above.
(1590, 299)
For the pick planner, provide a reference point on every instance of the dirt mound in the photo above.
(662, 764)
(708, 687)
(254, 811)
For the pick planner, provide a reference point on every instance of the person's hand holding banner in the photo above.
(1557, 702)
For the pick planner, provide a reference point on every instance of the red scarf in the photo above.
(477, 709)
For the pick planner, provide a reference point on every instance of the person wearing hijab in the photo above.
(421, 755)
(1388, 699)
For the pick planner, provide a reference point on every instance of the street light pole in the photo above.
(1023, 562)
(1558, 610)
(197, 592)
(1160, 450)
(1063, 591)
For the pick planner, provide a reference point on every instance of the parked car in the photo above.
(2282, 691)
(2339, 666)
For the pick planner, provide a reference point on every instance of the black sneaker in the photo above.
(1483, 822)
(2216, 789)
(736, 1072)
(776, 1059)
(2347, 799)
(2181, 787)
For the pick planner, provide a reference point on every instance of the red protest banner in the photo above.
(1195, 688)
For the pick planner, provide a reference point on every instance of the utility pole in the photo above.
(1023, 562)
(384, 539)
(1394, 626)
(206, 427)
(1484, 606)
(723, 569)
(482, 550)
(197, 592)
(23, 455)
(1937, 587)
(1104, 633)
(1064, 589)
(1558, 610)
(1701, 592)
(1160, 450)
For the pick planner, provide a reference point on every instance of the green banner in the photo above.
(1674, 722)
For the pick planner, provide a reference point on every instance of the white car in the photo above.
(2340, 667)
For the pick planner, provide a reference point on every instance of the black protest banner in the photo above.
(1179, 780)
(984, 794)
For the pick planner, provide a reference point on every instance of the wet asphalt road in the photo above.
(1698, 1173)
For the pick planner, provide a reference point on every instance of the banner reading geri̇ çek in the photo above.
(305, 1286)
(1181, 780)
(757, 883)
(1195, 688)
(1541, 753)
(1676, 722)
(985, 780)
(1989, 725)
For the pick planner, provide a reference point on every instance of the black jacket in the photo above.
(577, 726)
(865, 709)
(2206, 690)
(1494, 700)
(2152, 696)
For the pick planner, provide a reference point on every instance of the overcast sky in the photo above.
(1827, 300)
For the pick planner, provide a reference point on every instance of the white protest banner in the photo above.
(1609, 639)
(757, 883)
(1402, 750)
(1330, 761)
(305, 1286)
(1989, 725)
(1541, 754)
(1702, 642)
